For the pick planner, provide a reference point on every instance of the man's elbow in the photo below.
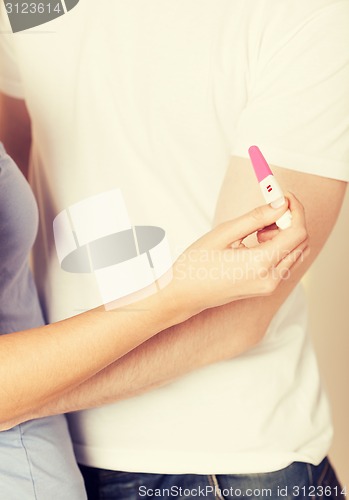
(15, 130)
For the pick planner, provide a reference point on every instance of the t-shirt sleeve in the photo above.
(298, 106)
(10, 79)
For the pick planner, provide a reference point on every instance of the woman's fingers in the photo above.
(238, 229)
(218, 268)
(270, 276)
(268, 233)
(288, 262)
(294, 258)
(278, 247)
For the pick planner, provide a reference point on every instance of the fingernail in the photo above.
(278, 203)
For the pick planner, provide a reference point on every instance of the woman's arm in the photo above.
(40, 364)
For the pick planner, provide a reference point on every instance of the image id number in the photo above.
(319, 491)
(34, 8)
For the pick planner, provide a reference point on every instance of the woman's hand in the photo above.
(218, 268)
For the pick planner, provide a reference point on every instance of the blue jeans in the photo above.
(299, 480)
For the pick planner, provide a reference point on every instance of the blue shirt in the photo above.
(36, 457)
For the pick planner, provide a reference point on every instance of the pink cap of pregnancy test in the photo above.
(261, 167)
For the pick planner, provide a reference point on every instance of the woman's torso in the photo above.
(36, 457)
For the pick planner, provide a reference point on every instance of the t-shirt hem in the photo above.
(139, 461)
(292, 160)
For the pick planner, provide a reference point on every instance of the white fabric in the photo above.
(153, 98)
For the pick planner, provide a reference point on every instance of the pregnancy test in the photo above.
(270, 188)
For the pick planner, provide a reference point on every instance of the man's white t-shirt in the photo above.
(153, 98)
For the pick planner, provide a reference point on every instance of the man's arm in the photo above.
(15, 130)
(223, 332)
